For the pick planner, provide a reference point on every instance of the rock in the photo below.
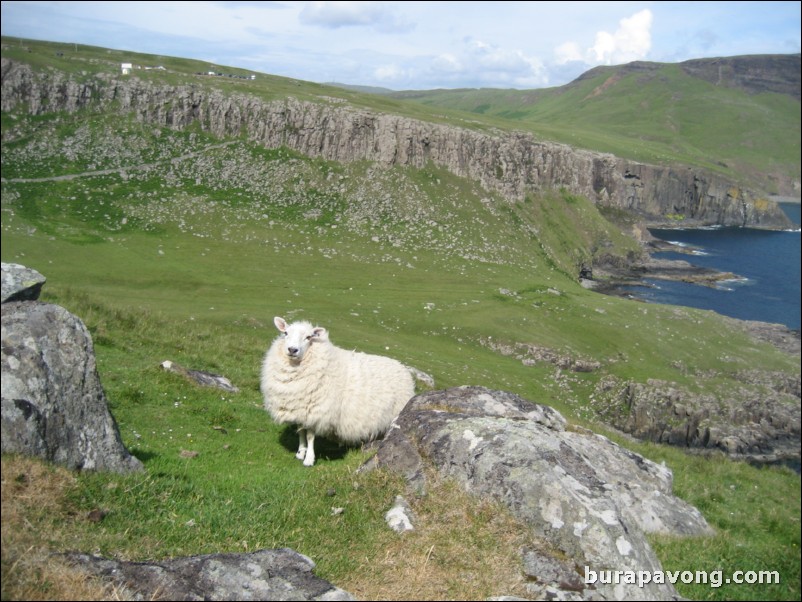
(530, 355)
(21, 283)
(204, 379)
(779, 335)
(776, 73)
(587, 497)
(422, 377)
(281, 574)
(759, 421)
(551, 578)
(399, 517)
(53, 405)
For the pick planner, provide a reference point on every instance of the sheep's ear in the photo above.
(320, 334)
(280, 324)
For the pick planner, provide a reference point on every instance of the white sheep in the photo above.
(328, 391)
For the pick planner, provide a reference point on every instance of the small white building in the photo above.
(126, 68)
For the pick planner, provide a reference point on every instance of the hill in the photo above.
(177, 212)
(344, 126)
(738, 115)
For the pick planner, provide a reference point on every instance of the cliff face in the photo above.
(778, 73)
(512, 163)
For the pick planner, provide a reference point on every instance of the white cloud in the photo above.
(377, 15)
(447, 62)
(567, 53)
(632, 41)
(416, 45)
(389, 73)
(481, 64)
(467, 63)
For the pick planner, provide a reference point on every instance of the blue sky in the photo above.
(418, 45)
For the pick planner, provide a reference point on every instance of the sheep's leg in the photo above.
(301, 453)
(309, 460)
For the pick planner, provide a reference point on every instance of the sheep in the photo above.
(328, 391)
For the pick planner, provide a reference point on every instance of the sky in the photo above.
(418, 45)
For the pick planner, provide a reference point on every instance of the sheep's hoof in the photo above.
(309, 462)
(301, 454)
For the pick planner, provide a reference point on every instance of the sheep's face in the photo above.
(299, 337)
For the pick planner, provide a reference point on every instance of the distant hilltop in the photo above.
(778, 73)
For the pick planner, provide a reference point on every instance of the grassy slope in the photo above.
(191, 261)
(662, 116)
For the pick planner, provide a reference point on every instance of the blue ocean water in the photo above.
(768, 261)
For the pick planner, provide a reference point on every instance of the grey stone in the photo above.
(281, 574)
(53, 405)
(588, 498)
(759, 421)
(20, 283)
(400, 517)
(204, 379)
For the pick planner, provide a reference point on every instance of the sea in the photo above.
(767, 263)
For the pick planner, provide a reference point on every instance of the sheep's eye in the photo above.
(309, 338)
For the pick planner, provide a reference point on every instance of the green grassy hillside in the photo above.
(657, 113)
(177, 245)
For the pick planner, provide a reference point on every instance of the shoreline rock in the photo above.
(617, 275)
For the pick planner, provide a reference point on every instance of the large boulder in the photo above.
(53, 405)
(583, 495)
(281, 574)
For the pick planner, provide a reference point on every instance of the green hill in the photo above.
(173, 243)
(738, 116)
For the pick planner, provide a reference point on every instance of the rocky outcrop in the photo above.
(586, 497)
(53, 405)
(281, 574)
(512, 163)
(758, 421)
(776, 73)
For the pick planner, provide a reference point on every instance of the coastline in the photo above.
(615, 276)
(618, 280)
(611, 279)
(618, 277)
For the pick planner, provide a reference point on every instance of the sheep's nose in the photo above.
(292, 350)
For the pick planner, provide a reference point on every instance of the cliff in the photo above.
(777, 73)
(513, 163)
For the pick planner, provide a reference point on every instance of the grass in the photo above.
(190, 259)
(749, 510)
(33, 498)
(661, 116)
(207, 304)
